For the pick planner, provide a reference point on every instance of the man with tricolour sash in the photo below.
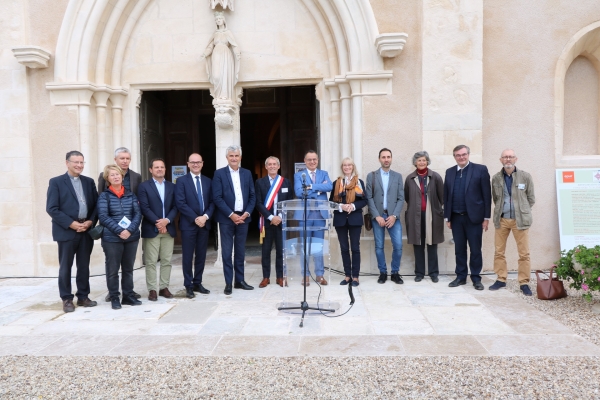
(270, 190)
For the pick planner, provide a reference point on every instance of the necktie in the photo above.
(199, 190)
(313, 177)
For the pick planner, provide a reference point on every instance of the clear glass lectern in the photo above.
(319, 214)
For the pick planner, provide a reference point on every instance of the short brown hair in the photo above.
(109, 167)
(157, 159)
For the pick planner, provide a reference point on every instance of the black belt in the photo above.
(240, 213)
(81, 220)
(460, 213)
(385, 211)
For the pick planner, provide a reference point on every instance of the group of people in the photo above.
(462, 201)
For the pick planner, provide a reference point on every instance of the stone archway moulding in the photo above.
(586, 42)
(95, 33)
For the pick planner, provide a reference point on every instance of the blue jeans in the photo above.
(314, 237)
(395, 233)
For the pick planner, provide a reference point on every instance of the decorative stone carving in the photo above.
(222, 62)
(222, 3)
(224, 114)
(32, 56)
(390, 44)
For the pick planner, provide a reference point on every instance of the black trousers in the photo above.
(273, 233)
(233, 240)
(464, 231)
(432, 258)
(120, 255)
(79, 249)
(351, 265)
(193, 241)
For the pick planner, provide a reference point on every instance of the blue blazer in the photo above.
(319, 189)
(224, 196)
(186, 198)
(478, 192)
(152, 207)
(62, 205)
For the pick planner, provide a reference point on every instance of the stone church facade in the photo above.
(346, 76)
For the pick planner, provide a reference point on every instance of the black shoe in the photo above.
(478, 285)
(418, 278)
(107, 298)
(497, 285)
(435, 279)
(396, 278)
(344, 282)
(137, 295)
(189, 293)
(457, 282)
(201, 289)
(131, 301)
(243, 285)
(227, 290)
(382, 277)
(525, 290)
(115, 303)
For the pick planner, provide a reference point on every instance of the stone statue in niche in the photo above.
(222, 62)
(223, 3)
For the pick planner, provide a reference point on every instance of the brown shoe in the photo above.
(321, 281)
(68, 305)
(264, 283)
(152, 295)
(165, 293)
(305, 281)
(280, 282)
(86, 302)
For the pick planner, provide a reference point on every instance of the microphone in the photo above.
(304, 180)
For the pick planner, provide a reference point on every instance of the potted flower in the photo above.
(581, 266)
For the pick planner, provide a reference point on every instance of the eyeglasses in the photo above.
(461, 155)
(508, 157)
(77, 162)
(195, 162)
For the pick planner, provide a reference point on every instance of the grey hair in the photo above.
(420, 154)
(509, 149)
(461, 146)
(233, 147)
(122, 150)
(272, 158)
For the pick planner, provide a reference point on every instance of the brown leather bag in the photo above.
(551, 288)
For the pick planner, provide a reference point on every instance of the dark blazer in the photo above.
(478, 192)
(134, 181)
(111, 210)
(224, 196)
(186, 198)
(435, 201)
(355, 218)
(62, 205)
(152, 207)
(262, 186)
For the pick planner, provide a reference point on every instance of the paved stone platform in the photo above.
(413, 319)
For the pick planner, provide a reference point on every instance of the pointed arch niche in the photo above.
(95, 47)
(577, 100)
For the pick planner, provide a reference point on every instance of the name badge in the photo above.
(521, 186)
(284, 190)
(124, 223)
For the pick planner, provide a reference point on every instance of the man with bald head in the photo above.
(193, 198)
(512, 192)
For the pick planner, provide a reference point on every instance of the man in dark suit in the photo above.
(71, 202)
(131, 181)
(270, 190)
(194, 200)
(467, 211)
(157, 203)
(234, 197)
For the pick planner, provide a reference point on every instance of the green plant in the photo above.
(581, 266)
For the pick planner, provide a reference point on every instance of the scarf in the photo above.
(351, 189)
(119, 193)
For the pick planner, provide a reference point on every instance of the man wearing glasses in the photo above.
(512, 191)
(467, 208)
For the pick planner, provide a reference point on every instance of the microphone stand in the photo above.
(304, 304)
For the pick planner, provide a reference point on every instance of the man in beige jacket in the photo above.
(512, 193)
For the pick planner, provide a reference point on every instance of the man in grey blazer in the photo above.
(385, 193)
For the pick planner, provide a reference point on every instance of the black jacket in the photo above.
(111, 210)
(355, 218)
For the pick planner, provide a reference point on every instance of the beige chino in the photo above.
(159, 246)
(522, 238)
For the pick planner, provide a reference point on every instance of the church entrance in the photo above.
(274, 121)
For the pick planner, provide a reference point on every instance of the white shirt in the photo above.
(160, 186)
(237, 188)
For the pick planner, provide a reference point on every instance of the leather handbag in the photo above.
(551, 288)
(96, 232)
(368, 217)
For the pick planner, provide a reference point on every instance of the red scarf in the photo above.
(120, 193)
(423, 174)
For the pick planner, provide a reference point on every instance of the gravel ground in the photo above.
(573, 311)
(295, 378)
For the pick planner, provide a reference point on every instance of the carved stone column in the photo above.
(336, 131)
(346, 111)
(117, 100)
(101, 131)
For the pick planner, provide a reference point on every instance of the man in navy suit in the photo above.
(467, 210)
(157, 202)
(71, 202)
(234, 197)
(318, 185)
(194, 201)
(266, 205)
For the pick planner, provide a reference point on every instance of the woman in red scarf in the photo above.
(348, 192)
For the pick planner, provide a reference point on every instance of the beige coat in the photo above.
(523, 198)
(434, 215)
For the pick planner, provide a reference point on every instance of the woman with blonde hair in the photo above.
(349, 192)
(119, 213)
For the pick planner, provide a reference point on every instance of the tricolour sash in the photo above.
(273, 190)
